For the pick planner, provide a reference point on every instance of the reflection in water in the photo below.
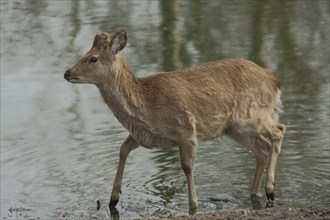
(170, 35)
(260, 27)
(114, 213)
(60, 143)
(163, 184)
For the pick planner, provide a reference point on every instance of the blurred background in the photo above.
(60, 143)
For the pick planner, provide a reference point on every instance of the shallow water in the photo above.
(60, 143)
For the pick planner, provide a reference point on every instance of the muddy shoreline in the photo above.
(268, 214)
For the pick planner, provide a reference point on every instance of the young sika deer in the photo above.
(235, 97)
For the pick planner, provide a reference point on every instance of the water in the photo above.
(60, 143)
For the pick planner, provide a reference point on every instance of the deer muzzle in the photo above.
(67, 75)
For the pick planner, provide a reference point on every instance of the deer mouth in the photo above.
(69, 78)
(72, 79)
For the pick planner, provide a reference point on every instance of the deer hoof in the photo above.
(270, 196)
(113, 202)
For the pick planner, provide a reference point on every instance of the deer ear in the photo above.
(118, 41)
(97, 40)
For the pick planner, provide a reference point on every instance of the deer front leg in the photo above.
(187, 156)
(128, 145)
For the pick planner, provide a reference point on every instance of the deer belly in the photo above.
(150, 140)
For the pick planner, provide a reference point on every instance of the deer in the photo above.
(233, 97)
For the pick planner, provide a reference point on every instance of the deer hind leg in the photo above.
(259, 146)
(128, 145)
(276, 133)
(264, 137)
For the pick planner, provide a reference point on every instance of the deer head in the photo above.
(99, 62)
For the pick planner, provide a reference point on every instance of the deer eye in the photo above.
(93, 59)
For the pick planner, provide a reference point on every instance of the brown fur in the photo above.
(180, 108)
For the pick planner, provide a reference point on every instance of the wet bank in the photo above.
(264, 214)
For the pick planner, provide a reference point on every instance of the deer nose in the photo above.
(66, 74)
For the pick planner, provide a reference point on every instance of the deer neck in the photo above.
(121, 91)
